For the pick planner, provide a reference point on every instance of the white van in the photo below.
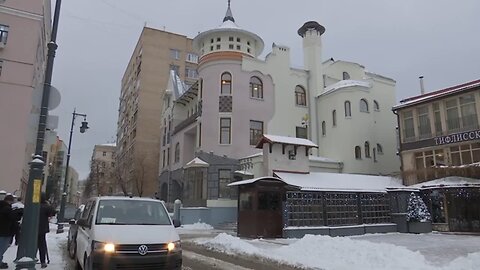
(127, 233)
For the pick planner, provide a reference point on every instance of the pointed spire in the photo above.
(229, 15)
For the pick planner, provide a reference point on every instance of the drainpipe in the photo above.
(399, 140)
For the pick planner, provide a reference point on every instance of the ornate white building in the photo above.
(338, 105)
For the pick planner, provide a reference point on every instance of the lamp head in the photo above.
(84, 126)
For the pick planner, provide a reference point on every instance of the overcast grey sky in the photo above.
(401, 39)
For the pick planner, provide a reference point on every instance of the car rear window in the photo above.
(132, 212)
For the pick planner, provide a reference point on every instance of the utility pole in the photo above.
(27, 248)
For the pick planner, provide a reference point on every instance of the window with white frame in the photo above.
(225, 130)
(256, 131)
(300, 96)
(324, 128)
(424, 129)
(3, 34)
(358, 152)
(192, 58)
(363, 105)
(437, 118)
(301, 132)
(175, 54)
(461, 113)
(367, 149)
(224, 178)
(465, 154)
(348, 109)
(256, 88)
(191, 73)
(226, 84)
(408, 126)
(379, 148)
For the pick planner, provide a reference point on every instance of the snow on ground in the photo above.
(56, 244)
(196, 229)
(375, 252)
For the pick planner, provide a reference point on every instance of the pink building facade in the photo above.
(24, 31)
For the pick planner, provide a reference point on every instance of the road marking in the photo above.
(218, 264)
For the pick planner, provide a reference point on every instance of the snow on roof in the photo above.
(344, 84)
(229, 25)
(284, 140)
(323, 159)
(331, 181)
(196, 162)
(109, 144)
(437, 94)
(450, 181)
(243, 172)
(254, 155)
(340, 181)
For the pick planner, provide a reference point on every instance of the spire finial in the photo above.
(228, 15)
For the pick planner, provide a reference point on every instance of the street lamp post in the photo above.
(83, 128)
(27, 248)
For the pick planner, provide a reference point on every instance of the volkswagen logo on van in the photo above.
(143, 250)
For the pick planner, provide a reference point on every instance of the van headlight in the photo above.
(174, 246)
(105, 247)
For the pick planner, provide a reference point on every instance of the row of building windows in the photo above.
(256, 89)
(190, 57)
(460, 115)
(348, 113)
(377, 150)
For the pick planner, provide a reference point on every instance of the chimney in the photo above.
(422, 88)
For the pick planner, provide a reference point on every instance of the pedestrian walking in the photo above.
(18, 207)
(6, 225)
(46, 212)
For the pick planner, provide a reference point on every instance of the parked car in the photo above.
(127, 233)
(72, 232)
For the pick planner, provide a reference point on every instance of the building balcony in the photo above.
(185, 123)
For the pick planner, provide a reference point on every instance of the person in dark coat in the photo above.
(6, 225)
(46, 212)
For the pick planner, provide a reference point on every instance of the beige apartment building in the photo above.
(24, 32)
(103, 179)
(440, 133)
(141, 104)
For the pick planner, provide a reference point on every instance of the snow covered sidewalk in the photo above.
(393, 251)
(56, 243)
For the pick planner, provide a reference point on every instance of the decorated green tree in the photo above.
(417, 210)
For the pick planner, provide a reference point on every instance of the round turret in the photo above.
(228, 37)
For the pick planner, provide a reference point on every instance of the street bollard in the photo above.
(176, 209)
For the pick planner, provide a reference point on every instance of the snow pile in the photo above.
(197, 226)
(338, 253)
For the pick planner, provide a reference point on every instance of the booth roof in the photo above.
(319, 181)
(448, 182)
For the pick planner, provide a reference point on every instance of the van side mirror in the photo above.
(83, 223)
(176, 223)
(72, 221)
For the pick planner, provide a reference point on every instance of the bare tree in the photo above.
(121, 178)
(139, 175)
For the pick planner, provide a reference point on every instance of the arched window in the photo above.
(324, 128)
(374, 155)
(376, 107)
(256, 87)
(300, 96)
(367, 149)
(363, 105)
(177, 152)
(334, 118)
(358, 152)
(348, 109)
(226, 84)
(379, 149)
(346, 76)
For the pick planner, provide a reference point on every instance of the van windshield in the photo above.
(132, 212)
